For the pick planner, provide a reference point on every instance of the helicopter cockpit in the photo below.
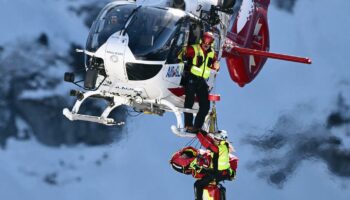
(150, 29)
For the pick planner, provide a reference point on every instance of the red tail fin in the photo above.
(247, 44)
(248, 30)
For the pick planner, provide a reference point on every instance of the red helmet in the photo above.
(208, 38)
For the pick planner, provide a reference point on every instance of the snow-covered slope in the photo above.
(268, 120)
(37, 48)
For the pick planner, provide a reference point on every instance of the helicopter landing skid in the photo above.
(103, 119)
(106, 121)
(179, 129)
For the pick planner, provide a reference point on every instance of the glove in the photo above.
(216, 66)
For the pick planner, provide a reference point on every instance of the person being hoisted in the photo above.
(201, 59)
(220, 168)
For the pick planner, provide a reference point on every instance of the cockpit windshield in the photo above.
(151, 32)
(111, 20)
(150, 29)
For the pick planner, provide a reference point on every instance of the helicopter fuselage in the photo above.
(137, 51)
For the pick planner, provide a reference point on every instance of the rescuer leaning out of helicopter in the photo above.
(201, 59)
(220, 168)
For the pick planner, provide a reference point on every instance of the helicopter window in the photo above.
(151, 33)
(195, 33)
(180, 40)
(100, 24)
(141, 72)
(109, 21)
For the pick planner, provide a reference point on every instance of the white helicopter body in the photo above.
(148, 82)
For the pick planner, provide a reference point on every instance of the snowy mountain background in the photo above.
(290, 126)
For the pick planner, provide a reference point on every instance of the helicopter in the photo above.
(132, 48)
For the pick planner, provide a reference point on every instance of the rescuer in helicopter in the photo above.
(220, 168)
(201, 59)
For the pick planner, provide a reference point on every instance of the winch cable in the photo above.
(194, 142)
(198, 144)
(190, 142)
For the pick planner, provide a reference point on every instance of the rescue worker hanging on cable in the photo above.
(220, 168)
(201, 59)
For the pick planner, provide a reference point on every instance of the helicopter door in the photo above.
(174, 70)
(180, 39)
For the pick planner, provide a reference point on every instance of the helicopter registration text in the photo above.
(174, 71)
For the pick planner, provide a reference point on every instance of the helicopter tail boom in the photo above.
(267, 54)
